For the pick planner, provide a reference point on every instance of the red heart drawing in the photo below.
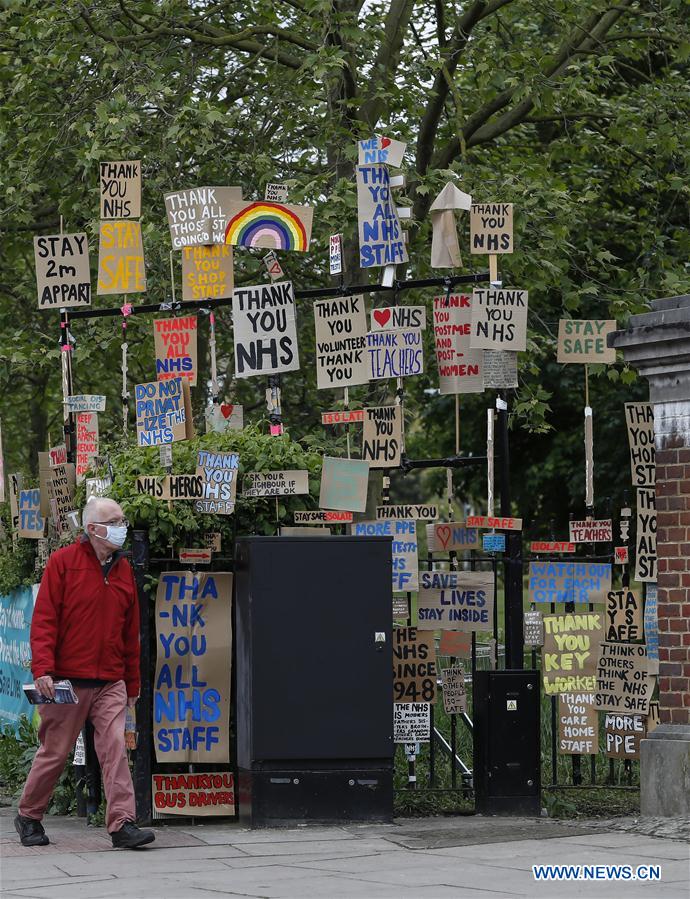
(385, 142)
(443, 533)
(381, 316)
(226, 409)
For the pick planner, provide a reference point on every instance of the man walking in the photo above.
(85, 627)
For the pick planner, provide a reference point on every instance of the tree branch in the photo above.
(387, 58)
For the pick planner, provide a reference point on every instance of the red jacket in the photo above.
(85, 625)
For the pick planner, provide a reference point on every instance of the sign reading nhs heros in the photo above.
(191, 698)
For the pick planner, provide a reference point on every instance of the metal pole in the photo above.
(512, 577)
(142, 754)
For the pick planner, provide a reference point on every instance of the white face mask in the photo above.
(114, 534)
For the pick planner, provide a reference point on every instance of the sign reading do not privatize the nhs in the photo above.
(191, 697)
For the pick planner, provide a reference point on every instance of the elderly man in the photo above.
(85, 627)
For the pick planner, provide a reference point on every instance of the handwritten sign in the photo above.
(491, 228)
(645, 542)
(265, 329)
(623, 616)
(346, 417)
(533, 628)
(163, 412)
(591, 531)
(57, 455)
(63, 276)
(341, 339)
(571, 649)
(578, 724)
(451, 537)
(97, 487)
(459, 366)
(87, 442)
(61, 482)
(16, 484)
(199, 216)
(199, 795)
(411, 722)
(414, 665)
(85, 403)
(191, 697)
(623, 680)
(322, 516)
(175, 346)
(500, 369)
(499, 320)
(30, 523)
(494, 524)
(273, 226)
(219, 481)
(207, 272)
(551, 546)
(221, 417)
(623, 735)
(2, 471)
(275, 483)
(458, 600)
(394, 354)
(639, 418)
(494, 543)
(584, 341)
(578, 582)
(121, 267)
(276, 193)
(119, 186)
(380, 149)
(455, 644)
(651, 626)
(418, 511)
(404, 548)
(381, 239)
(172, 486)
(398, 318)
(382, 436)
(454, 692)
(335, 254)
(344, 484)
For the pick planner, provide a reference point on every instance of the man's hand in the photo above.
(45, 687)
(132, 701)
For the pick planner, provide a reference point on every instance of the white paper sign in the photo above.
(341, 338)
(411, 722)
(395, 354)
(265, 329)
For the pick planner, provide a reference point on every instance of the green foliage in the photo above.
(16, 564)
(16, 755)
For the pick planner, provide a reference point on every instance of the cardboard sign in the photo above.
(639, 419)
(591, 531)
(221, 417)
(404, 549)
(63, 276)
(411, 722)
(208, 272)
(97, 487)
(578, 724)
(119, 185)
(398, 318)
(414, 665)
(551, 546)
(275, 483)
(265, 330)
(500, 369)
(457, 600)
(85, 403)
(175, 346)
(273, 267)
(494, 524)
(57, 455)
(199, 216)
(654, 717)
(623, 680)
(30, 523)
(322, 516)
(394, 354)
(344, 484)
(578, 582)
(197, 795)
(459, 366)
(121, 267)
(585, 341)
(61, 483)
(418, 511)
(651, 626)
(219, 482)
(16, 483)
(491, 228)
(623, 616)
(455, 644)
(191, 696)
(196, 556)
(87, 442)
(454, 692)
(645, 540)
(381, 240)
(276, 193)
(172, 486)
(335, 254)
(570, 653)
(305, 532)
(533, 628)
(499, 320)
(341, 339)
(382, 436)
(163, 410)
(275, 226)
(382, 150)
(451, 537)
(348, 416)
(212, 540)
(623, 735)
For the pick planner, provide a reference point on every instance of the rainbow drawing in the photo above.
(276, 226)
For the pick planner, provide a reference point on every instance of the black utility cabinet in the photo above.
(313, 619)
(507, 750)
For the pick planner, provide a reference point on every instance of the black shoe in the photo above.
(30, 832)
(129, 836)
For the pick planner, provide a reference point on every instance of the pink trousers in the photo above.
(60, 726)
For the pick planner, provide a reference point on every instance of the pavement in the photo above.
(470, 856)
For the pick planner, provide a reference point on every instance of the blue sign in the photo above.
(651, 624)
(494, 543)
(15, 654)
